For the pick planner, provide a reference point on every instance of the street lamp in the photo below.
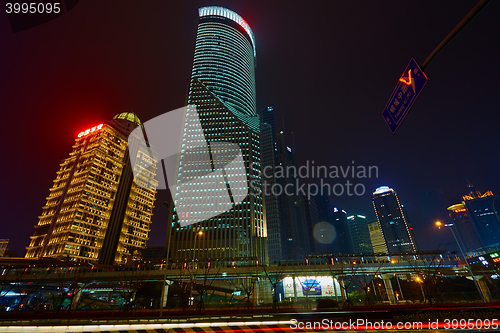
(199, 233)
(420, 282)
(439, 224)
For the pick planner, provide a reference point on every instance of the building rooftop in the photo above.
(383, 189)
(130, 116)
(227, 13)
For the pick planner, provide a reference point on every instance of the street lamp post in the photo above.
(439, 224)
(400, 290)
(197, 233)
(166, 265)
(420, 281)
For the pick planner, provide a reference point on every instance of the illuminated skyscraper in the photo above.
(392, 221)
(224, 58)
(376, 238)
(223, 90)
(91, 190)
(480, 209)
(343, 241)
(360, 234)
(477, 226)
(466, 233)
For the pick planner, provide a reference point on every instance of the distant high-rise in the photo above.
(312, 219)
(376, 238)
(392, 221)
(477, 227)
(92, 198)
(325, 229)
(288, 215)
(465, 231)
(223, 90)
(294, 234)
(343, 241)
(480, 210)
(324, 209)
(360, 234)
(268, 155)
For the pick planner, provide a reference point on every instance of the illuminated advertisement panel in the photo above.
(315, 286)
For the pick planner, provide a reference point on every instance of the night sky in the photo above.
(328, 67)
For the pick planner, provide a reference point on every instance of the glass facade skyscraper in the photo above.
(480, 209)
(393, 221)
(268, 152)
(466, 233)
(360, 234)
(223, 90)
(224, 58)
(477, 226)
(343, 241)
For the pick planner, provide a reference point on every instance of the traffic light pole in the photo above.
(477, 8)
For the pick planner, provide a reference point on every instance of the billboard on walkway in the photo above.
(313, 286)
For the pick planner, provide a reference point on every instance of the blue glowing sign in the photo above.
(407, 90)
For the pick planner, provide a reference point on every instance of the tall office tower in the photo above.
(323, 233)
(465, 231)
(294, 239)
(87, 194)
(268, 155)
(360, 234)
(392, 221)
(225, 59)
(312, 219)
(324, 209)
(223, 90)
(480, 210)
(343, 241)
(288, 231)
(376, 238)
(267, 117)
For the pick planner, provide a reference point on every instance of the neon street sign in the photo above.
(409, 86)
(406, 81)
(90, 130)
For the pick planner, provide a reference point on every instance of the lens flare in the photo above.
(324, 233)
